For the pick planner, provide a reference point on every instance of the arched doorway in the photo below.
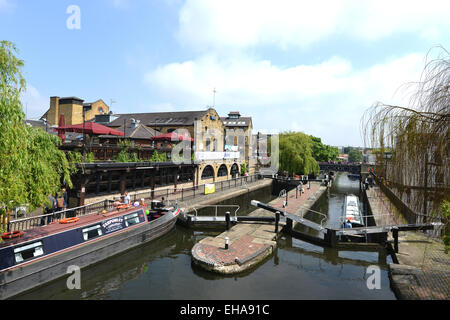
(234, 171)
(208, 172)
(223, 171)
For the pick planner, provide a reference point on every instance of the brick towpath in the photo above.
(249, 242)
(423, 271)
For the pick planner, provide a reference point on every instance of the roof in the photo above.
(139, 132)
(160, 119)
(240, 122)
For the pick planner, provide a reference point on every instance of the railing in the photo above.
(215, 206)
(169, 195)
(45, 219)
(183, 194)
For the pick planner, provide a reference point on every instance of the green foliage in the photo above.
(124, 143)
(126, 156)
(243, 168)
(296, 154)
(354, 155)
(31, 163)
(322, 152)
(444, 214)
(158, 157)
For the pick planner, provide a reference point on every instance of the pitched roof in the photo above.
(139, 132)
(160, 119)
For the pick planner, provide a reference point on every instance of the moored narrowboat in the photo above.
(33, 257)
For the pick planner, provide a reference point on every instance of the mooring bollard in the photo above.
(227, 219)
(226, 243)
(277, 220)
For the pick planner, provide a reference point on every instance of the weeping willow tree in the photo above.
(31, 165)
(296, 154)
(412, 142)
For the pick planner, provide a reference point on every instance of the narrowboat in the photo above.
(352, 211)
(33, 257)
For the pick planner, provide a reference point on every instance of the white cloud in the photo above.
(318, 98)
(34, 104)
(206, 24)
(6, 5)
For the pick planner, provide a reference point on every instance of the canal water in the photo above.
(163, 270)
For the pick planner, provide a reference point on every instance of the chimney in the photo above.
(53, 112)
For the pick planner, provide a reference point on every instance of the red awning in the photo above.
(90, 128)
(171, 136)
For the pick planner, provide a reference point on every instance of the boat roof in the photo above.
(42, 231)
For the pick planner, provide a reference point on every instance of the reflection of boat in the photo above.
(352, 211)
(45, 253)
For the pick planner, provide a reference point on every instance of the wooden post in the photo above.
(227, 219)
(277, 220)
(331, 238)
(288, 225)
(395, 236)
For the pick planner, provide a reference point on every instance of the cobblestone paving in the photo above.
(247, 240)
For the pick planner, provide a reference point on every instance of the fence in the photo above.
(183, 194)
(45, 219)
(168, 194)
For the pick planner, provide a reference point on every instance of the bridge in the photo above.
(354, 168)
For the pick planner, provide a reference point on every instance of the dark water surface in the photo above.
(162, 269)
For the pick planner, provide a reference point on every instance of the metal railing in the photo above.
(170, 195)
(188, 193)
(45, 219)
(216, 206)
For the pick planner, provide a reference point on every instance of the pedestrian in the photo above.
(65, 197)
(59, 204)
(126, 198)
(348, 224)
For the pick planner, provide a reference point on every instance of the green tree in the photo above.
(296, 155)
(322, 152)
(31, 163)
(354, 155)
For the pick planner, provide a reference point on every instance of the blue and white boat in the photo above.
(33, 257)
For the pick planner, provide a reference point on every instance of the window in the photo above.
(92, 232)
(131, 219)
(28, 251)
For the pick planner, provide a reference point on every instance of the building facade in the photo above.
(72, 108)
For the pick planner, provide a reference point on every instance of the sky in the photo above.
(310, 66)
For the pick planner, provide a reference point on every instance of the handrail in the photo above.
(216, 206)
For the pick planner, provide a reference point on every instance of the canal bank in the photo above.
(163, 269)
(247, 244)
(423, 268)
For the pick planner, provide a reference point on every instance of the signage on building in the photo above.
(217, 155)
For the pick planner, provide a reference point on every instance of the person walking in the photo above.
(126, 198)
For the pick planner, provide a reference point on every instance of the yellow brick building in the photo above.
(72, 109)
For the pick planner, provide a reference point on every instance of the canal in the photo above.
(162, 269)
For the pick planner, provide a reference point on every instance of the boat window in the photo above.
(131, 219)
(352, 203)
(92, 232)
(28, 251)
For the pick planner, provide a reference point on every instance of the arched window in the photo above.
(208, 172)
(234, 171)
(223, 171)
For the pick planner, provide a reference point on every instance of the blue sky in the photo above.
(311, 66)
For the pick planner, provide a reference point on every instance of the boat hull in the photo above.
(26, 277)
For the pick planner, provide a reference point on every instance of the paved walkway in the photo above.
(250, 242)
(423, 272)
